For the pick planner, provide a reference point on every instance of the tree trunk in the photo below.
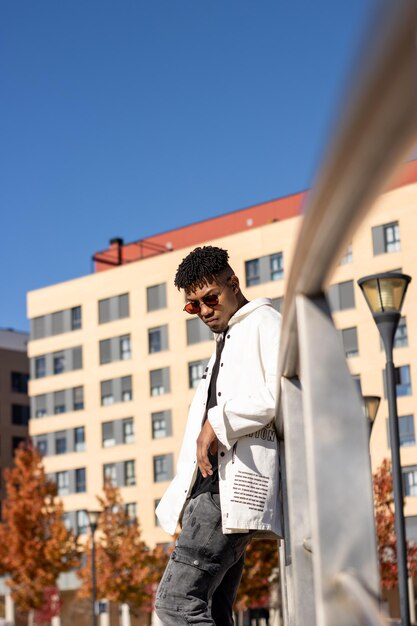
(31, 618)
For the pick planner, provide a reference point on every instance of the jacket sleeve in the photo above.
(243, 414)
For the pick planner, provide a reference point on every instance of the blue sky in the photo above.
(130, 117)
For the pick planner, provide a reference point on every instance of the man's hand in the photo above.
(206, 439)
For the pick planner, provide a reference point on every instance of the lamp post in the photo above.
(93, 522)
(384, 294)
(370, 408)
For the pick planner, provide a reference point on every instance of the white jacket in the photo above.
(243, 422)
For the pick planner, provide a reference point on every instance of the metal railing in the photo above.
(328, 559)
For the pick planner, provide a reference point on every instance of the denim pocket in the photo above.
(215, 500)
(196, 561)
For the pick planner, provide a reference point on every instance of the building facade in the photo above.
(113, 368)
(14, 399)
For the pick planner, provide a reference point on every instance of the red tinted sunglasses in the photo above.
(193, 307)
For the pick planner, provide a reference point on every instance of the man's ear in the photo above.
(235, 283)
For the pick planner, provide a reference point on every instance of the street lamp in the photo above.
(384, 294)
(93, 522)
(370, 408)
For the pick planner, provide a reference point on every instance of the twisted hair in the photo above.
(201, 266)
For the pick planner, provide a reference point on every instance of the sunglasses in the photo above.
(194, 306)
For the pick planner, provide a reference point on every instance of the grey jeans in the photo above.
(202, 577)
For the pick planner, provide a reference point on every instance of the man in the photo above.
(226, 487)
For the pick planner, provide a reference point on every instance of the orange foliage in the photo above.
(260, 562)
(385, 529)
(126, 569)
(35, 545)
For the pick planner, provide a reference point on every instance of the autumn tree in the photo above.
(126, 569)
(385, 529)
(261, 563)
(35, 545)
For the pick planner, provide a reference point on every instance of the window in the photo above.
(264, 269)
(66, 518)
(20, 414)
(126, 388)
(59, 362)
(59, 402)
(347, 257)
(80, 480)
(40, 367)
(107, 392)
(105, 351)
(402, 381)
(62, 481)
(114, 308)
(350, 342)
(160, 381)
(161, 424)
(79, 439)
(341, 296)
(42, 446)
(195, 372)
(124, 347)
(156, 297)
(129, 473)
(40, 404)
(109, 473)
(278, 304)
(55, 323)
(76, 318)
(406, 428)
(115, 349)
(78, 398)
(276, 265)
(162, 468)
(158, 339)
(75, 358)
(197, 331)
(386, 238)
(130, 508)
(61, 442)
(128, 430)
(16, 441)
(252, 272)
(19, 382)
(410, 481)
(401, 335)
(116, 390)
(107, 435)
(37, 327)
(82, 522)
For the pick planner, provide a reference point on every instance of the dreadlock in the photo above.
(200, 267)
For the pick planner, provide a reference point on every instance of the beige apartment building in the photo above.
(114, 358)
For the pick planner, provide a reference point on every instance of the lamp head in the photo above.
(93, 517)
(385, 292)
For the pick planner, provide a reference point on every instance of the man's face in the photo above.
(217, 317)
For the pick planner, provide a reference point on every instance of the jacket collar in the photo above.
(244, 311)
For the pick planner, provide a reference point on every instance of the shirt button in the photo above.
(196, 562)
(228, 336)
(221, 453)
(220, 393)
(221, 364)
